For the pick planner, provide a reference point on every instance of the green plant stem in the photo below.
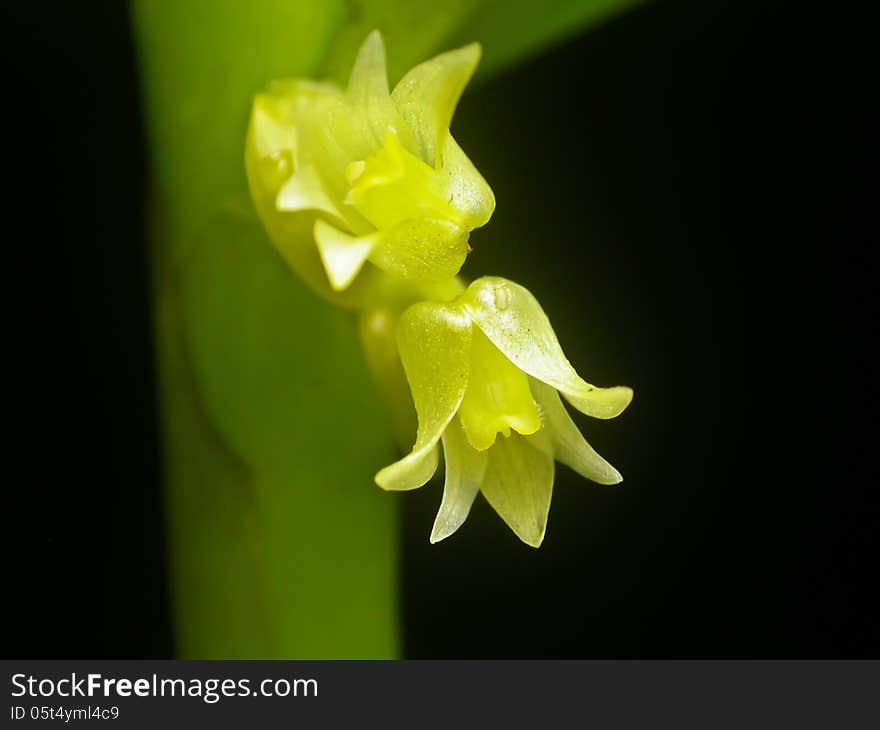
(280, 544)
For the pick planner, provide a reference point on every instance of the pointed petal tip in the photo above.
(439, 534)
(475, 50)
(603, 403)
(369, 76)
(533, 541)
(469, 54)
(374, 43)
(614, 478)
(428, 94)
(386, 483)
(446, 525)
(390, 480)
(413, 471)
(343, 256)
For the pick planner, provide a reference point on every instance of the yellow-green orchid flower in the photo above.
(484, 364)
(340, 178)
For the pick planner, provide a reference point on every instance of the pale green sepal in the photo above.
(518, 484)
(427, 95)
(412, 471)
(465, 468)
(343, 256)
(566, 442)
(304, 191)
(598, 402)
(514, 321)
(377, 330)
(434, 341)
(369, 77)
(368, 94)
(469, 193)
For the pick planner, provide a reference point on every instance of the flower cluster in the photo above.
(370, 199)
(376, 173)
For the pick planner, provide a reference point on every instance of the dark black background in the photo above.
(692, 196)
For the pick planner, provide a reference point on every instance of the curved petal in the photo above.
(305, 191)
(567, 444)
(518, 484)
(343, 256)
(468, 192)
(412, 471)
(434, 341)
(368, 81)
(427, 95)
(465, 468)
(513, 320)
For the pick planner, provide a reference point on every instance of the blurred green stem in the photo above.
(280, 544)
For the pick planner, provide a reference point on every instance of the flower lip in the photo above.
(497, 398)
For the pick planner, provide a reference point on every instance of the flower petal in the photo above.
(513, 320)
(368, 81)
(434, 341)
(343, 256)
(465, 468)
(468, 192)
(566, 442)
(518, 484)
(428, 94)
(412, 471)
(305, 191)
(368, 91)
